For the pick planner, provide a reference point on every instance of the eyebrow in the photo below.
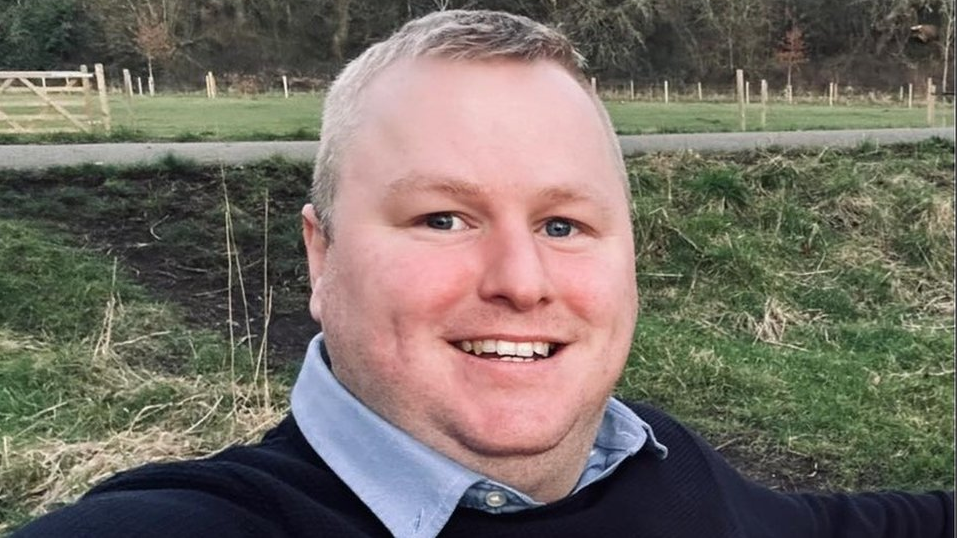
(559, 195)
(454, 186)
(424, 183)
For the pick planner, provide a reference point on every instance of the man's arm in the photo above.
(873, 514)
(147, 514)
(842, 515)
(761, 511)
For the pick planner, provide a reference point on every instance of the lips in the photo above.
(507, 350)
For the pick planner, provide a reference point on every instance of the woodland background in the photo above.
(860, 44)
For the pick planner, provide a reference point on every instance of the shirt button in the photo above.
(495, 499)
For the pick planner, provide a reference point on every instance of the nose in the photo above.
(514, 272)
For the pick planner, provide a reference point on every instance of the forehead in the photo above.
(502, 121)
(417, 86)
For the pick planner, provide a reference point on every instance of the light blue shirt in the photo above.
(410, 487)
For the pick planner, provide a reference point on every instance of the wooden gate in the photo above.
(53, 101)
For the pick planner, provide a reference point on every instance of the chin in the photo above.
(523, 437)
(520, 446)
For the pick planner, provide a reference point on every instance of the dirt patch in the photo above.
(167, 228)
(780, 470)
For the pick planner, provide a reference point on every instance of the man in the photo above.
(472, 267)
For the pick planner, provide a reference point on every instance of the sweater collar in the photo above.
(410, 487)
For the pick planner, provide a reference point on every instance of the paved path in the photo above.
(42, 156)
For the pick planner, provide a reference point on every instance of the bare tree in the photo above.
(946, 11)
(792, 51)
(341, 33)
(609, 33)
(941, 34)
(690, 26)
(743, 26)
(152, 34)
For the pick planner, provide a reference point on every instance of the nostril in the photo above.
(515, 274)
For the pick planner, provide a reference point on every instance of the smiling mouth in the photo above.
(507, 351)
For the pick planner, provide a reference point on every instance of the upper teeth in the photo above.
(506, 348)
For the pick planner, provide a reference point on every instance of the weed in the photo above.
(721, 185)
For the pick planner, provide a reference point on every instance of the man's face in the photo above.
(479, 207)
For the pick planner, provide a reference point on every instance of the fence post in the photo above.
(152, 86)
(764, 103)
(910, 95)
(101, 89)
(139, 85)
(700, 93)
(87, 98)
(631, 84)
(789, 90)
(931, 98)
(830, 94)
(900, 95)
(210, 85)
(666, 93)
(594, 86)
(206, 83)
(739, 78)
(127, 84)
(747, 92)
(285, 86)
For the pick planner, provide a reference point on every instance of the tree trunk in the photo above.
(342, 30)
(948, 42)
(730, 52)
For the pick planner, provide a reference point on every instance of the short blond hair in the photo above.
(455, 35)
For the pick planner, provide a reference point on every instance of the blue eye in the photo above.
(559, 228)
(444, 221)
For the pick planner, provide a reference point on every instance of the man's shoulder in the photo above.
(280, 455)
(252, 490)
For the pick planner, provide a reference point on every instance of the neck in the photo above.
(547, 476)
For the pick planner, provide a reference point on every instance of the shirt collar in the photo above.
(410, 487)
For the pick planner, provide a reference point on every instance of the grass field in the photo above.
(271, 117)
(797, 308)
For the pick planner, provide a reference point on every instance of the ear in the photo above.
(316, 247)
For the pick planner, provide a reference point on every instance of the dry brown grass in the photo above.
(850, 212)
(18, 342)
(53, 471)
(204, 414)
(203, 418)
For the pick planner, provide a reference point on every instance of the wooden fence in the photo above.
(740, 93)
(53, 101)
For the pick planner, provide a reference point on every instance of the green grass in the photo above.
(693, 117)
(804, 304)
(191, 117)
(224, 118)
(797, 309)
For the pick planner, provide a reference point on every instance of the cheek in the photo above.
(598, 290)
(426, 284)
(392, 292)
